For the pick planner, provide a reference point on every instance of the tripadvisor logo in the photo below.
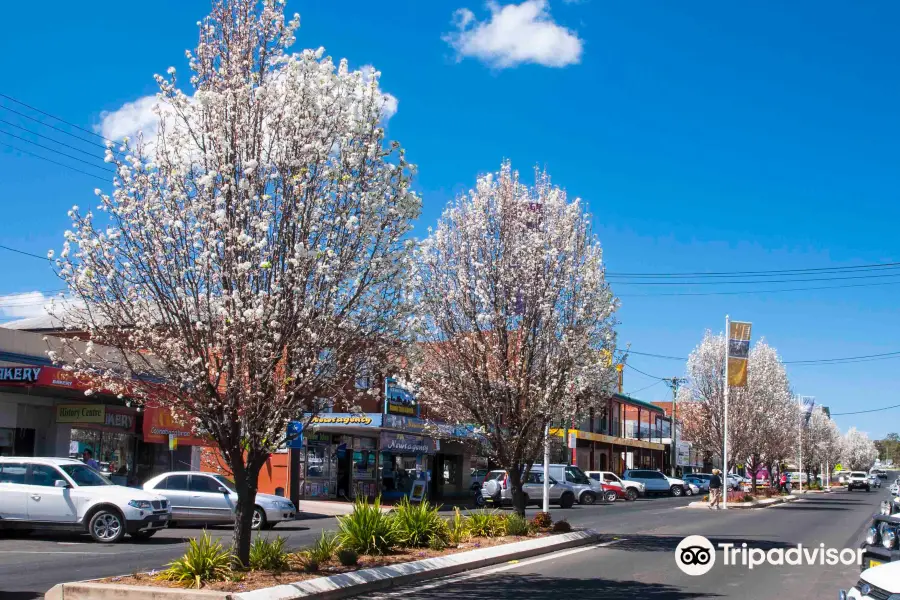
(696, 555)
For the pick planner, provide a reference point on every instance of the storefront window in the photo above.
(317, 463)
(398, 473)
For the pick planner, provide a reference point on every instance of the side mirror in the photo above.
(61, 483)
(223, 489)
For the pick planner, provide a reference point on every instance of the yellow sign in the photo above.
(341, 420)
(739, 330)
(737, 372)
(81, 413)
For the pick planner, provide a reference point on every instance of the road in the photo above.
(639, 563)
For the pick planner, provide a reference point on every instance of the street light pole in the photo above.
(674, 383)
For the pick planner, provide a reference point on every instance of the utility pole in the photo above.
(674, 383)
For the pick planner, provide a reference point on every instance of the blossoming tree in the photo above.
(247, 260)
(859, 452)
(513, 316)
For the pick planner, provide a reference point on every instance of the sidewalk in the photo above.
(323, 509)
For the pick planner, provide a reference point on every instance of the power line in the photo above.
(799, 363)
(775, 291)
(859, 412)
(2, 247)
(54, 150)
(19, 102)
(55, 162)
(54, 127)
(873, 266)
(879, 276)
(657, 355)
(647, 387)
(47, 137)
(645, 374)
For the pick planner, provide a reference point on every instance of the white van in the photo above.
(587, 490)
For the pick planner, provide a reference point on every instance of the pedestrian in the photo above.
(784, 483)
(715, 490)
(88, 458)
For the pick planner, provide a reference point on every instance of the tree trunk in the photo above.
(246, 480)
(518, 496)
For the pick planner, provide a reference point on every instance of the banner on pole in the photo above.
(738, 353)
(806, 407)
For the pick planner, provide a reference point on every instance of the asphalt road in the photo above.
(639, 563)
(637, 559)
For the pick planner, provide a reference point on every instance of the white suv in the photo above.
(632, 489)
(66, 494)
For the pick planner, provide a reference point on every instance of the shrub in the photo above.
(305, 560)
(417, 524)
(542, 520)
(367, 530)
(347, 557)
(562, 526)
(457, 528)
(486, 523)
(437, 542)
(747, 498)
(516, 525)
(325, 547)
(204, 562)
(268, 555)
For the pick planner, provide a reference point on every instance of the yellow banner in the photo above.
(739, 330)
(737, 372)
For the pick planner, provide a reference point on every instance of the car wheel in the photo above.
(590, 498)
(688, 492)
(259, 519)
(107, 526)
(144, 535)
(611, 496)
(567, 500)
(631, 495)
(676, 490)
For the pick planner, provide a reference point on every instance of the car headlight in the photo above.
(285, 505)
(140, 504)
(872, 536)
(885, 507)
(888, 538)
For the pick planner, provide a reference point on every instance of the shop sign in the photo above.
(41, 376)
(159, 424)
(81, 413)
(294, 435)
(20, 374)
(402, 443)
(358, 419)
(421, 426)
(119, 420)
(399, 400)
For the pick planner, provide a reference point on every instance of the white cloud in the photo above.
(515, 34)
(389, 109)
(23, 306)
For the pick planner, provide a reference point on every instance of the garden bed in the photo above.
(245, 581)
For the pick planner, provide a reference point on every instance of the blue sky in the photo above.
(703, 136)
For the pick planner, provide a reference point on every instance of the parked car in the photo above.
(735, 481)
(633, 489)
(587, 490)
(497, 489)
(895, 488)
(612, 492)
(874, 481)
(476, 478)
(881, 581)
(211, 498)
(691, 489)
(858, 480)
(881, 544)
(701, 484)
(66, 494)
(655, 482)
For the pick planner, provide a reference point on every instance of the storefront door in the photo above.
(344, 466)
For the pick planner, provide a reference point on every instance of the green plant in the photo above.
(367, 530)
(204, 561)
(268, 555)
(486, 523)
(457, 528)
(562, 526)
(347, 557)
(417, 524)
(437, 542)
(542, 520)
(325, 547)
(304, 560)
(516, 525)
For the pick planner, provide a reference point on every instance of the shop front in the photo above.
(167, 444)
(406, 461)
(107, 431)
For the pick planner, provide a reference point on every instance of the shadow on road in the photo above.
(19, 595)
(668, 543)
(805, 506)
(537, 587)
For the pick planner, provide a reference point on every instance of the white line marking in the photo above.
(500, 569)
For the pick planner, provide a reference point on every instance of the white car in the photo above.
(66, 494)
(882, 581)
(211, 498)
(895, 489)
(633, 489)
(691, 489)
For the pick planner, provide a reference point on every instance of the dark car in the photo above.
(883, 536)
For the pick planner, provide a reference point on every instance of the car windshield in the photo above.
(226, 482)
(84, 475)
(857, 474)
(495, 475)
(576, 475)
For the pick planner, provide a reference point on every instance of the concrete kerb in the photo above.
(764, 503)
(346, 584)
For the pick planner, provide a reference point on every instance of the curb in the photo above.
(765, 503)
(344, 585)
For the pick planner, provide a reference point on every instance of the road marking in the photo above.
(507, 567)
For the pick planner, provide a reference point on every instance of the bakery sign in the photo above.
(26, 375)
